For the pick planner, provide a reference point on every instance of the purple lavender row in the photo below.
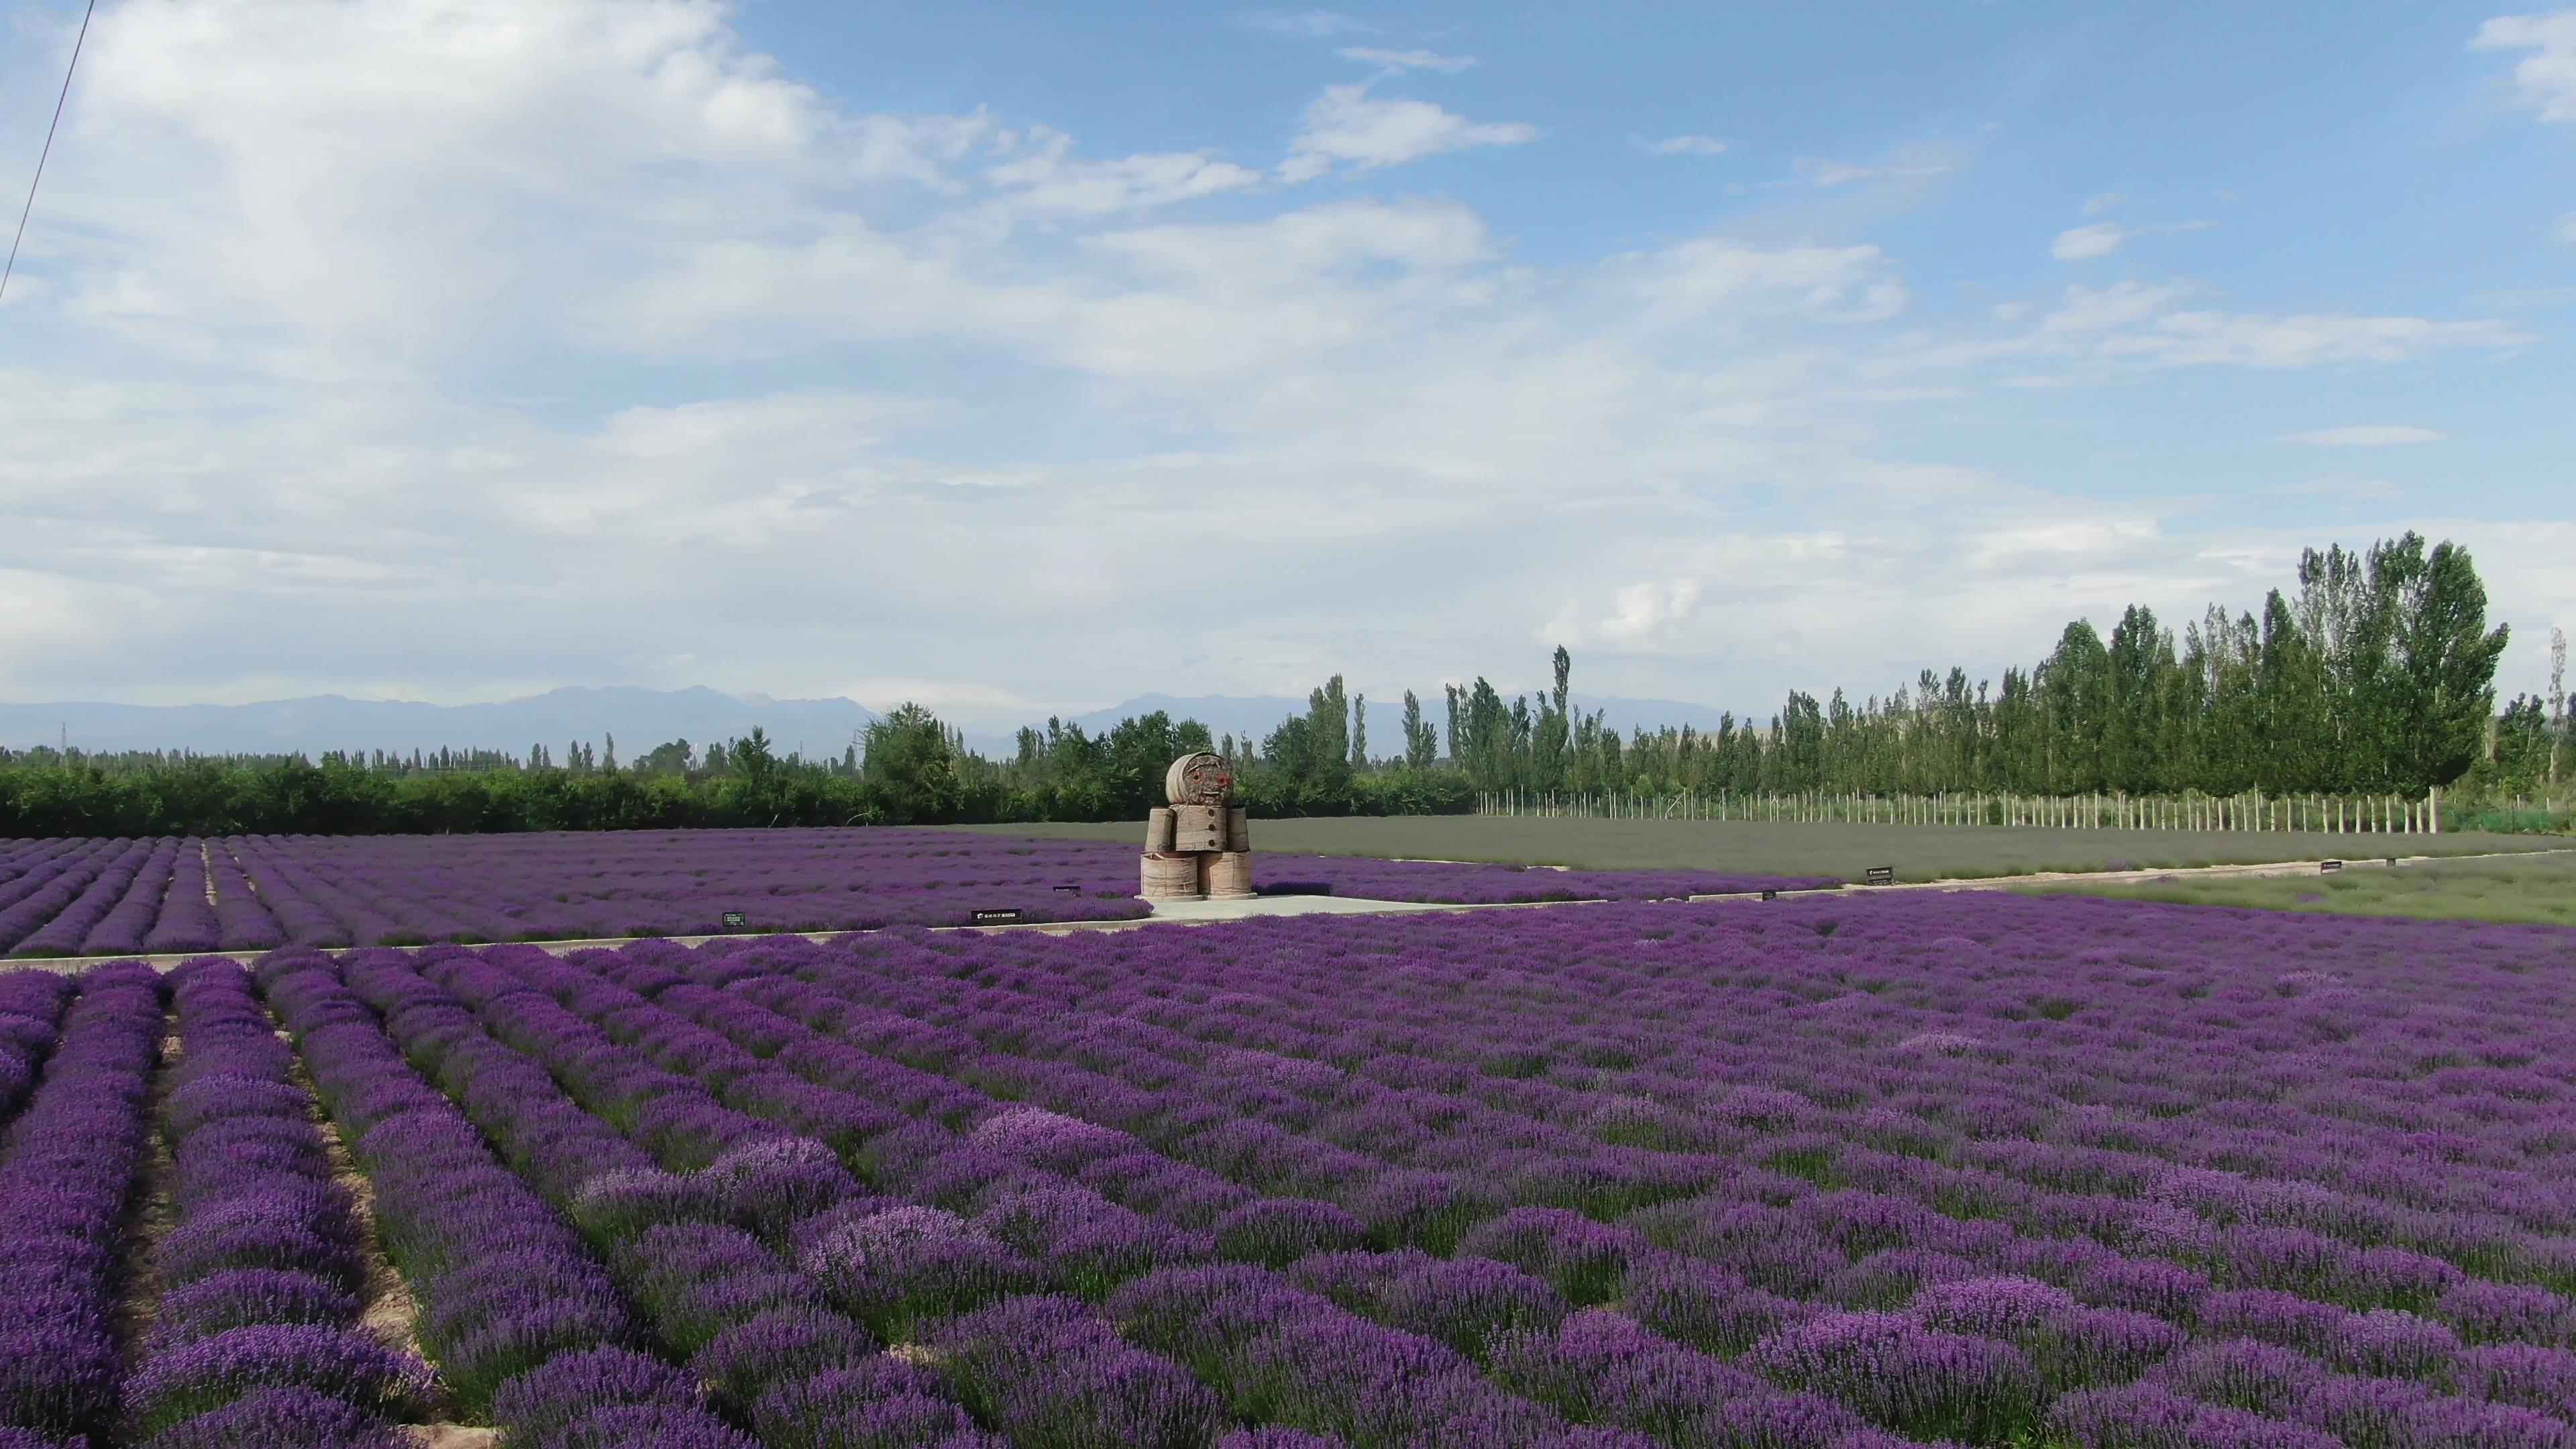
(243, 922)
(900, 1268)
(63, 934)
(1837, 1259)
(40, 869)
(18, 857)
(780, 1357)
(409, 890)
(184, 922)
(1461, 1303)
(31, 1012)
(2385, 1413)
(323, 891)
(119, 928)
(1047, 1369)
(521, 1319)
(2327, 1285)
(55, 888)
(259, 1278)
(67, 1169)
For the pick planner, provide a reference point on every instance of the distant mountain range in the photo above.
(639, 718)
(643, 718)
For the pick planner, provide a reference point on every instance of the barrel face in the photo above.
(1170, 876)
(1229, 876)
(1199, 779)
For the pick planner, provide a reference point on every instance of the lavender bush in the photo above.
(67, 1165)
(256, 892)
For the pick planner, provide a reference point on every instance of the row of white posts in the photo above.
(2329, 814)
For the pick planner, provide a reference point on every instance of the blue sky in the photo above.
(1023, 357)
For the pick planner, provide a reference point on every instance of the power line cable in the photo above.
(44, 155)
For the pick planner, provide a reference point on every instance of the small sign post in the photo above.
(735, 920)
(1068, 890)
(2328, 867)
(1881, 875)
(996, 916)
(1770, 895)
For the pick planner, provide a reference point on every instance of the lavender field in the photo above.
(1813, 1174)
(249, 893)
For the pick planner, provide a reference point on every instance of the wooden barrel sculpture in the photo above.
(1200, 845)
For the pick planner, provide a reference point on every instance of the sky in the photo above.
(1017, 358)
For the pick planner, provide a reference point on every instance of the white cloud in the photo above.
(1693, 279)
(1318, 24)
(2096, 205)
(2546, 78)
(1399, 61)
(1347, 124)
(2367, 436)
(2255, 340)
(1043, 175)
(1819, 171)
(2096, 331)
(1679, 145)
(1644, 618)
(2101, 238)
(2122, 304)
(2098, 240)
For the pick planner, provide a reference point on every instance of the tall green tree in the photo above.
(2441, 689)
(1421, 737)
(908, 763)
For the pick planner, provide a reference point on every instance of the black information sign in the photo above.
(2324, 866)
(997, 917)
(1068, 890)
(735, 920)
(1881, 875)
(1770, 895)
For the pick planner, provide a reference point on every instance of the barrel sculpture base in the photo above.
(1171, 876)
(1229, 875)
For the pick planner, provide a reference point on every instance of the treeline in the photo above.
(2375, 674)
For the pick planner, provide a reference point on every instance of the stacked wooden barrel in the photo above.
(1199, 847)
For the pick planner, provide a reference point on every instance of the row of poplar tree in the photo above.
(2374, 674)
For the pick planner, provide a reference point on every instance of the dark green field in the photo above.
(1918, 852)
(2535, 888)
